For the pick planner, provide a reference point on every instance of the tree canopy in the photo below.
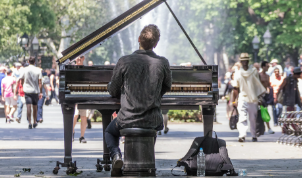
(216, 27)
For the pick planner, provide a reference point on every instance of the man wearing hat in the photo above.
(246, 80)
(274, 65)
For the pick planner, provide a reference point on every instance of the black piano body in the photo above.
(192, 87)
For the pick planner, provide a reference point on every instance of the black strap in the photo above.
(176, 174)
(193, 150)
(185, 33)
(234, 109)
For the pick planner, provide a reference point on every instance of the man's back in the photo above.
(31, 76)
(141, 79)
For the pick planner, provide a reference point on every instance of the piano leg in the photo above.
(208, 118)
(106, 119)
(68, 112)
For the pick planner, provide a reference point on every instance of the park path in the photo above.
(40, 148)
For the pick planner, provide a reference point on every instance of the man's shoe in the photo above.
(30, 126)
(270, 131)
(117, 162)
(166, 130)
(41, 120)
(35, 125)
(159, 133)
(241, 139)
(88, 124)
(82, 140)
(18, 120)
(254, 139)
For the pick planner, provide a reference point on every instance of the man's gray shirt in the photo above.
(140, 80)
(31, 76)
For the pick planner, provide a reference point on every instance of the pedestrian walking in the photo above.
(45, 83)
(246, 80)
(16, 71)
(268, 97)
(289, 87)
(165, 120)
(291, 94)
(276, 81)
(20, 94)
(7, 86)
(228, 95)
(90, 63)
(83, 113)
(2, 75)
(274, 64)
(53, 85)
(31, 78)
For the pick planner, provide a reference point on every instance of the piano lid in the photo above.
(100, 35)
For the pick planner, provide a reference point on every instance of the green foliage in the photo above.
(184, 115)
(216, 26)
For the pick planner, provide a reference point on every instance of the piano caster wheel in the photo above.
(107, 167)
(56, 170)
(72, 168)
(99, 167)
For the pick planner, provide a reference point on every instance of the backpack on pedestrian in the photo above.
(217, 161)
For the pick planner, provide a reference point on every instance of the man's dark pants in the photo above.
(112, 136)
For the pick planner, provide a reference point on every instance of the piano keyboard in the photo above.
(106, 93)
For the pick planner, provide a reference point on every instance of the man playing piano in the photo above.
(139, 80)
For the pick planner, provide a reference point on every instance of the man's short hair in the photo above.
(32, 60)
(263, 64)
(149, 36)
(9, 71)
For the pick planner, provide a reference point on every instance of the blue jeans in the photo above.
(277, 110)
(40, 109)
(19, 107)
(112, 136)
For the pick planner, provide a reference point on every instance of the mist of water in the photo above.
(114, 13)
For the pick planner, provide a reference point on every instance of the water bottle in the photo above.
(201, 163)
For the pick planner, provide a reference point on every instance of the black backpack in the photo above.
(218, 162)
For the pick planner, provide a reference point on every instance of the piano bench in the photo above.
(139, 158)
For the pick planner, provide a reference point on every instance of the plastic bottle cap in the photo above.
(200, 149)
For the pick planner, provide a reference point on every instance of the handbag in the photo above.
(260, 128)
(217, 160)
(264, 114)
(233, 120)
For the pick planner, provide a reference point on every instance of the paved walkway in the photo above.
(40, 148)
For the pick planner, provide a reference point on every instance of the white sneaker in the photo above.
(270, 131)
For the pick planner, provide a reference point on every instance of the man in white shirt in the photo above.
(274, 65)
(246, 80)
(31, 79)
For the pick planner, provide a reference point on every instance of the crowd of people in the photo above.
(26, 84)
(248, 86)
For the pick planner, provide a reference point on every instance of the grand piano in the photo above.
(192, 87)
